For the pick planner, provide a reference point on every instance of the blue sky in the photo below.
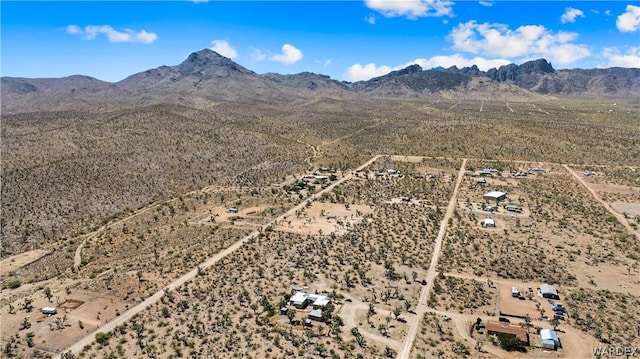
(347, 40)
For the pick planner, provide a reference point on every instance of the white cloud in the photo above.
(486, 3)
(607, 12)
(359, 72)
(224, 48)
(257, 55)
(617, 59)
(74, 29)
(529, 41)
(629, 21)
(412, 9)
(327, 62)
(290, 55)
(92, 31)
(570, 15)
(459, 61)
(371, 19)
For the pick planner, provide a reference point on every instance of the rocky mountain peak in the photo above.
(208, 61)
(540, 65)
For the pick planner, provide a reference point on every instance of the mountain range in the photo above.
(207, 74)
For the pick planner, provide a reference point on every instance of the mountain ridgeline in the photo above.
(206, 74)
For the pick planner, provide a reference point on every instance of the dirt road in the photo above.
(124, 317)
(606, 205)
(405, 350)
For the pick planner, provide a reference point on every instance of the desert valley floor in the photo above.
(397, 248)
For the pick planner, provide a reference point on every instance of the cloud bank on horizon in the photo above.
(497, 44)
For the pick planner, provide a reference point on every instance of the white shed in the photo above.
(550, 339)
(488, 223)
(49, 310)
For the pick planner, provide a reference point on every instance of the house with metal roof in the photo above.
(494, 328)
(548, 291)
(299, 300)
(495, 196)
(316, 315)
(318, 301)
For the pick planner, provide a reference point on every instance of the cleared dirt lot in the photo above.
(324, 218)
(17, 261)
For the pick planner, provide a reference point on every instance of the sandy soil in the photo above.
(407, 158)
(614, 188)
(631, 209)
(78, 344)
(595, 195)
(518, 307)
(405, 350)
(14, 262)
(325, 217)
(354, 314)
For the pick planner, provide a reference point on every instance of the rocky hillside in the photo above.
(206, 74)
(540, 76)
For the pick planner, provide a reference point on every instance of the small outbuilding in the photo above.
(550, 339)
(49, 310)
(488, 223)
(495, 196)
(316, 315)
(548, 291)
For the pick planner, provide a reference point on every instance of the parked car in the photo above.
(490, 208)
(558, 308)
(504, 320)
(512, 208)
(515, 292)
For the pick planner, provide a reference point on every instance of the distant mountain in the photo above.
(204, 73)
(540, 76)
(307, 80)
(207, 74)
(52, 94)
(411, 81)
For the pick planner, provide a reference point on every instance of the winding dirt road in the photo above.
(124, 317)
(422, 307)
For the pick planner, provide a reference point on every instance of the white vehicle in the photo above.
(515, 292)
